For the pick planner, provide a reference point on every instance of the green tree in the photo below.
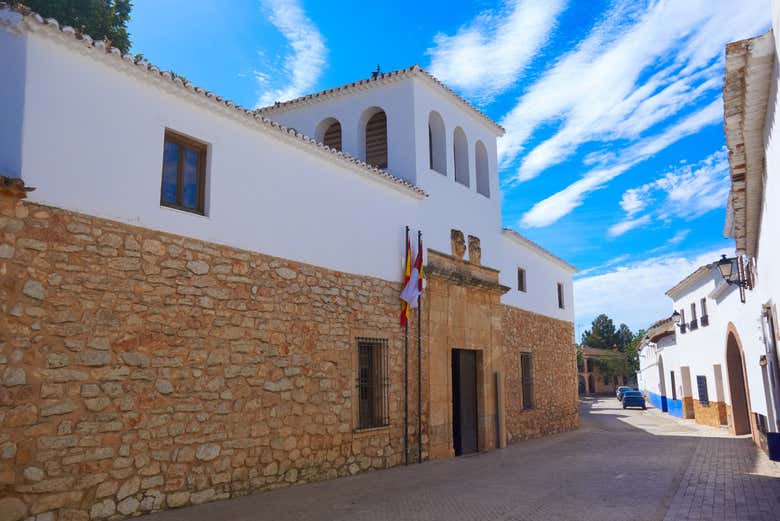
(623, 337)
(101, 19)
(631, 351)
(601, 334)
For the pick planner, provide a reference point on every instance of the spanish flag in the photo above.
(413, 281)
(407, 276)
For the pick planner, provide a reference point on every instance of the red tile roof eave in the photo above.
(380, 80)
(35, 23)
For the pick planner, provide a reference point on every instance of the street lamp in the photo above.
(676, 318)
(730, 272)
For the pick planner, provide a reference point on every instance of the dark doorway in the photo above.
(736, 368)
(464, 401)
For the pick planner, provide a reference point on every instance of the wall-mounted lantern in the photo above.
(729, 270)
(676, 318)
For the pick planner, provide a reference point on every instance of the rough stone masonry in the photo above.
(143, 371)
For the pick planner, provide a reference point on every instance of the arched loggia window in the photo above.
(437, 146)
(483, 169)
(329, 133)
(375, 137)
(461, 149)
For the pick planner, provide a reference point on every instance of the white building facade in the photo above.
(730, 359)
(198, 301)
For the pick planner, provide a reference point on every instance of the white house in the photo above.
(204, 299)
(725, 353)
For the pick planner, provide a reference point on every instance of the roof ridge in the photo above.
(27, 16)
(381, 78)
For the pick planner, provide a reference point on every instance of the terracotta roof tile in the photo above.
(18, 18)
(381, 79)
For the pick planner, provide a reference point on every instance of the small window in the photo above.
(705, 319)
(694, 323)
(701, 383)
(521, 280)
(372, 382)
(483, 169)
(376, 140)
(461, 150)
(183, 173)
(437, 147)
(332, 136)
(560, 296)
(683, 325)
(527, 380)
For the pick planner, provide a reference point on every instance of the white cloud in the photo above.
(487, 56)
(686, 192)
(627, 224)
(304, 65)
(634, 293)
(679, 236)
(562, 203)
(602, 92)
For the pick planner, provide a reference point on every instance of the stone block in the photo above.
(12, 509)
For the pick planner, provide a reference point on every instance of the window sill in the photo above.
(190, 213)
(371, 431)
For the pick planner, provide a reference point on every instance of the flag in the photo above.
(414, 283)
(418, 263)
(407, 275)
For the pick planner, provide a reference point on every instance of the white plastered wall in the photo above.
(102, 129)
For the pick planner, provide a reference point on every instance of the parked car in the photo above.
(621, 391)
(633, 398)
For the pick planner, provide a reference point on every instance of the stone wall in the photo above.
(464, 312)
(713, 414)
(554, 360)
(143, 371)
(688, 410)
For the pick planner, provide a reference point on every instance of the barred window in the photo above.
(560, 296)
(527, 380)
(372, 383)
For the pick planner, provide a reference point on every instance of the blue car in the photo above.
(634, 399)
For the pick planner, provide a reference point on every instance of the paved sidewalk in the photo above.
(620, 466)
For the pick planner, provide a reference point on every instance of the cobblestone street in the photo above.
(620, 465)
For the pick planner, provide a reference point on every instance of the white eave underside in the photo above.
(749, 75)
(525, 241)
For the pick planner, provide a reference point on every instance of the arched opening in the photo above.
(736, 370)
(374, 137)
(437, 146)
(461, 148)
(483, 169)
(662, 385)
(591, 384)
(329, 133)
(581, 385)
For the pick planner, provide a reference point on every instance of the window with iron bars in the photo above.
(527, 380)
(372, 383)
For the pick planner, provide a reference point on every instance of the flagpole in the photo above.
(419, 361)
(406, 374)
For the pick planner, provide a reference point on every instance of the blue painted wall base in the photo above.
(660, 401)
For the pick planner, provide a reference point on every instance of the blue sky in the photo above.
(614, 156)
